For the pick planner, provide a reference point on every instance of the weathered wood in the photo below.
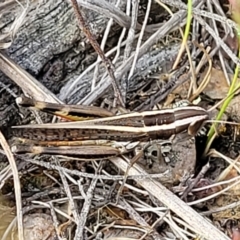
(50, 46)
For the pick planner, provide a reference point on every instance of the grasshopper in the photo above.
(136, 126)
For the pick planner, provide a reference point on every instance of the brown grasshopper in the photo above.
(137, 126)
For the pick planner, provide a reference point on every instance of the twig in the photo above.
(202, 226)
(89, 175)
(7, 88)
(71, 87)
(55, 221)
(222, 61)
(195, 181)
(223, 208)
(197, 14)
(173, 83)
(215, 194)
(132, 161)
(139, 219)
(110, 11)
(129, 44)
(104, 40)
(224, 46)
(86, 208)
(181, 5)
(83, 26)
(132, 30)
(100, 89)
(132, 213)
(73, 207)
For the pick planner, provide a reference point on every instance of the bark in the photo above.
(52, 48)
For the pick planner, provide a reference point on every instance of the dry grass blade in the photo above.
(17, 186)
(7, 38)
(206, 78)
(25, 81)
(201, 225)
(126, 66)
